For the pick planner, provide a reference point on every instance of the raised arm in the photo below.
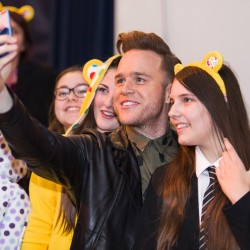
(48, 154)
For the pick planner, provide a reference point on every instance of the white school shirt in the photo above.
(201, 164)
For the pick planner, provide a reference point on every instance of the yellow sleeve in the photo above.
(43, 199)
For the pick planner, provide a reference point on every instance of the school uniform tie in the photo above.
(208, 196)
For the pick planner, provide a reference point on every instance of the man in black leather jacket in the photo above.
(107, 175)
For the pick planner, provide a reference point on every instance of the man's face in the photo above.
(139, 97)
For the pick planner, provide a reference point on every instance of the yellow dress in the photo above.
(42, 232)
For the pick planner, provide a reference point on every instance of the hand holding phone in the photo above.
(5, 27)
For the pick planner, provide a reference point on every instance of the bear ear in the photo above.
(10, 8)
(178, 67)
(90, 68)
(27, 12)
(213, 60)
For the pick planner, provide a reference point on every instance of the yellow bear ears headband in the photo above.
(93, 72)
(26, 11)
(211, 63)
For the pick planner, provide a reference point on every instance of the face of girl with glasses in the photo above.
(69, 95)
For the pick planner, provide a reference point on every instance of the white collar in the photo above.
(201, 162)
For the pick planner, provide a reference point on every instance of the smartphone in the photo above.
(5, 27)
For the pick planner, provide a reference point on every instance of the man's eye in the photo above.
(139, 80)
(119, 81)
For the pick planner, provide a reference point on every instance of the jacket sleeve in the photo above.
(238, 217)
(43, 199)
(48, 154)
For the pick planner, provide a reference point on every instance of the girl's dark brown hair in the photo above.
(230, 120)
(67, 207)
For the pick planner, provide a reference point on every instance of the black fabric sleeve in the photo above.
(48, 154)
(238, 217)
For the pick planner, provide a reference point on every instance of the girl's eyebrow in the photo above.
(187, 94)
(77, 84)
(104, 85)
(183, 95)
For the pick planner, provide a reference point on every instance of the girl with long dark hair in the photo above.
(209, 115)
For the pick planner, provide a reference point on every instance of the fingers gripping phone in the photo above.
(5, 27)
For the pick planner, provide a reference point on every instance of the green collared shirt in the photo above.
(152, 154)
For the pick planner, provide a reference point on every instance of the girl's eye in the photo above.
(82, 93)
(62, 93)
(103, 90)
(186, 99)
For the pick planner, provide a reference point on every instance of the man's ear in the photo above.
(167, 93)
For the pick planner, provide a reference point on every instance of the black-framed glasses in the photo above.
(63, 93)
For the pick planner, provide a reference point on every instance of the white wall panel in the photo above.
(192, 28)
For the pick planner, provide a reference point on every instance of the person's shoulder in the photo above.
(119, 138)
(92, 131)
(116, 138)
(159, 174)
(90, 134)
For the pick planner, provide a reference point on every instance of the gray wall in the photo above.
(192, 28)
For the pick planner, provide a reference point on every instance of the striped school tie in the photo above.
(208, 196)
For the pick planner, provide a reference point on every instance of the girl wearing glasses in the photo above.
(42, 232)
(70, 90)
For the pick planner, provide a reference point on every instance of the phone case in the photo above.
(5, 27)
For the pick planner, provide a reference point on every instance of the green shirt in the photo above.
(152, 154)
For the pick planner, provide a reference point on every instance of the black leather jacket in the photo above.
(100, 171)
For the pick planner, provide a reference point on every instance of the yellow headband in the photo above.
(211, 63)
(100, 71)
(26, 11)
